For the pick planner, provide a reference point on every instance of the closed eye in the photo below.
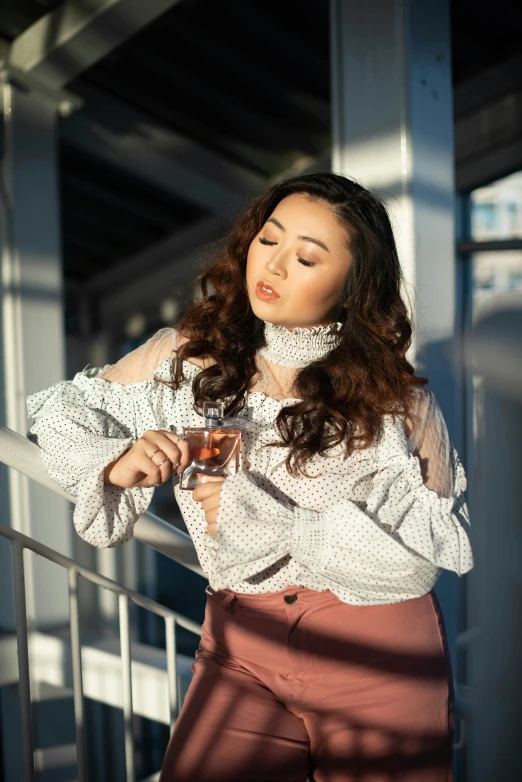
(301, 260)
(305, 263)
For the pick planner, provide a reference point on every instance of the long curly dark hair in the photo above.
(344, 394)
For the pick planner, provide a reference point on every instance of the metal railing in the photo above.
(22, 455)
(172, 619)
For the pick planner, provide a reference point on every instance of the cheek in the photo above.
(317, 293)
(252, 273)
(252, 261)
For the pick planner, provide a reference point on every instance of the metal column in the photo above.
(393, 132)
(31, 356)
(31, 326)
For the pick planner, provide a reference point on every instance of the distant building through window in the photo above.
(496, 210)
(496, 215)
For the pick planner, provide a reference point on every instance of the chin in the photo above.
(267, 317)
(262, 311)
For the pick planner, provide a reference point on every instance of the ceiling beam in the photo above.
(131, 207)
(160, 255)
(488, 142)
(111, 130)
(489, 85)
(300, 57)
(488, 125)
(257, 125)
(254, 75)
(67, 41)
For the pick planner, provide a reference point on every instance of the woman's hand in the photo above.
(208, 493)
(150, 462)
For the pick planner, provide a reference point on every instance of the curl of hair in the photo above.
(344, 395)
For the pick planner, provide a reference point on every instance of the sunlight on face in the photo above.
(297, 264)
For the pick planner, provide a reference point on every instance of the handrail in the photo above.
(96, 578)
(21, 454)
(171, 618)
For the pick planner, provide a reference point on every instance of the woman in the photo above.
(323, 652)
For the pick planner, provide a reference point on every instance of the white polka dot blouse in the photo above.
(376, 527)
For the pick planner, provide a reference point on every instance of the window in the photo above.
(495, 272)
(496, 210)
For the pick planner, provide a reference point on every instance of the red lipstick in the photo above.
(266, 292)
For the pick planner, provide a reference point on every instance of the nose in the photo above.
(276, 264)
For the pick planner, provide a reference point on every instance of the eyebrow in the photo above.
(304, 238)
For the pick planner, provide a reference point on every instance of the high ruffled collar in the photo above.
(301, 346)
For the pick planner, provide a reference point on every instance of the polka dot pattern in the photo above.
(368, 528)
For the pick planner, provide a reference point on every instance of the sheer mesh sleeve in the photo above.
(430, 442)
(84, 424)
(141, 363)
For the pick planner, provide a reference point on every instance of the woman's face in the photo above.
(297, 264)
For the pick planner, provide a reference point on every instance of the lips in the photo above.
(266, 292)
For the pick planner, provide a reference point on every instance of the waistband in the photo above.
(228, 599)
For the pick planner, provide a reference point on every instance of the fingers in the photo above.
(208, 489)
(210, 503)
(161, 442)
(208, 493)
(165, 453)
(153, 473)
(161, 453)
(211, 518)
(183, 449)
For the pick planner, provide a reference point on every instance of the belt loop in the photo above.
(230, 603)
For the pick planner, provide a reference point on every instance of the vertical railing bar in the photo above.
(127, 686)
(76, 652)
(23, 659)
(172, 668)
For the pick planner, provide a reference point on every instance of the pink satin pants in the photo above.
(298, 685)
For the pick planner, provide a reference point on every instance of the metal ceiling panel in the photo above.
(73, 36)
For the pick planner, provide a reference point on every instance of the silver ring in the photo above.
(182, 436)
(157, 485)
(163, 462)
(156, 451)
(176, 464)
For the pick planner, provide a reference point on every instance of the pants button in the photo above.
(290, 598)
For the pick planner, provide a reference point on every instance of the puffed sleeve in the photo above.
(84, 424)
(406, 532)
